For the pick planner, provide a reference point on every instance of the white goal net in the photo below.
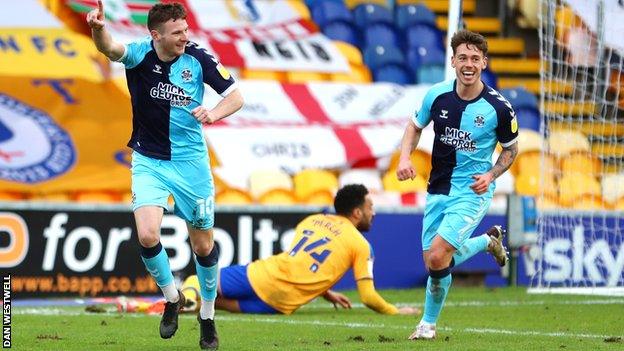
(581, 198)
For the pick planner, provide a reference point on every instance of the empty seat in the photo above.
(309, 181)
(233, 196)
(532, 184)
(369, 177)
(531, 162)
(261, 181)
(97, 196)
(422, 35)
(573, 186)
(581, 162)
(529, 140)
(421, 161)
(305, 77)
(520, 98)
(51, 197)
(12, 196)
(490, 78)
(432, 66)
(278, 197)
(357, 74)
(431, 74)
(353, 3)
(380, 34)
(528, 118)
(350, 52)
(321, 197)
(380, 56)
(343, 32)
(365, 15)
(409, 15)
(588, 203)
(391, 183)
(300, 8)
(612, 187)
(326, 12)
(263, 75)
(564, 142)
(397, 74)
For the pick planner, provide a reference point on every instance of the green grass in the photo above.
(474, 319)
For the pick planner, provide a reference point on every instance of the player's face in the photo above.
(172, 37)
(468, 62)
(367, 215)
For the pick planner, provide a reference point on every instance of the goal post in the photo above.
(580, 220)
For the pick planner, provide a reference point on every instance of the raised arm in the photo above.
(411, 136)
(102, 39)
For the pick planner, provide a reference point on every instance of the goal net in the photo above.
(580, 221)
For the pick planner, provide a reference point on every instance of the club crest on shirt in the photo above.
(187, 75)
(479, 121)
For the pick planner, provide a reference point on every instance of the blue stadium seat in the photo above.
(365, 15)
(489, 78)
(422, 35)
(311, 3)
(325, 12)
(520, 98)
(528, 118)
(430, 74)
(379, 56)
(394, 74)
(413, 59)
(342, 31)
(412, 14)
(432, 65)
(380, 34)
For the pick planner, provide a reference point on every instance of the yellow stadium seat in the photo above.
(581, 162)
(309, 181)
(11, 196)
(320, 197)
(358, 74)
(546, 203)
(233, 197)
(391, 183)
(350, 52)
(589, 202)
(126, 198)
(263, 75)
(529, 140)
(420, 159)
(300, 7)
(619, 204)
(612, 187)
(369, 177)
(531, 162)
(278, 197)
(97, 196)
(573, 186)
(261, 181)
(305, 77)
(564, 142)
(353, 3)
(51, 197)
(565, 18)
(531, 184)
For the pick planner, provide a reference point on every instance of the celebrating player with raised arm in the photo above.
(166, 74)
(469, 119)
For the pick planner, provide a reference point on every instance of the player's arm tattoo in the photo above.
(505, 159)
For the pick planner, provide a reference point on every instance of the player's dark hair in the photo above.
(469, 38)
(349, 197)
(161, 13)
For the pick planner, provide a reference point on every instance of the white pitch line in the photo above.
(284, 320)
(493, 303)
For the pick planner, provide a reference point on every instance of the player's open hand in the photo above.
(337, 298)
(95, 18)
(409, 310)
(203, 115)
(405, 170)
(481, 182)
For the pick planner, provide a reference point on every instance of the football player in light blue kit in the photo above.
(166, 75)
(469, 119)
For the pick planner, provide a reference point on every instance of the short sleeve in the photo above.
(213, 72)
(507, 128)
(422, 118)
(363, 263)
(135, 52)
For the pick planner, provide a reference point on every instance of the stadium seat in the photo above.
(412, 56)
(581, 162)
(321, 197)
(546, 203)
(531, 162)
(358, 74)
(397, 74)
(432, 65)
(309, 181)
(520, 98)
(431, 74)
(618, 205)
(391, 183)
(369, 177)
(353, 3)
(379, 35)
(422, 35)
(573, 186)
(490, 78)
(12, 196)
(232, 196)
(380, 56)
(368, 14)
(263, 180)
(420, 159)
(51, 197)
(409, 15)
(529, 140)
(300, 8)
(326, 12)
(126, 197)
(589, 203)
(564, 142)
(528, 118)
(350, 52)
(263, 75)
(343, 32)
(278, 197)
(505, 184)
(97, 196)
(612, 187)
(531, 184)
(305, 77)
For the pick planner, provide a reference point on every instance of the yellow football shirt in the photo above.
(323, 249)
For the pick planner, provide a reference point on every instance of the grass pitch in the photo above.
(473, 319)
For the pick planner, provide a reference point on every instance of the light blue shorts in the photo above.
(454, 218)
(190, 183)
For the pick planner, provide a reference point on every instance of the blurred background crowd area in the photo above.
(305, 132)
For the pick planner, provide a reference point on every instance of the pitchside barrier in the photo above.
(91, 251)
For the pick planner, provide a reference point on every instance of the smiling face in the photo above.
(468, 62)
(171, 37)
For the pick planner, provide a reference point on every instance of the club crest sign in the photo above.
(33, 148)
